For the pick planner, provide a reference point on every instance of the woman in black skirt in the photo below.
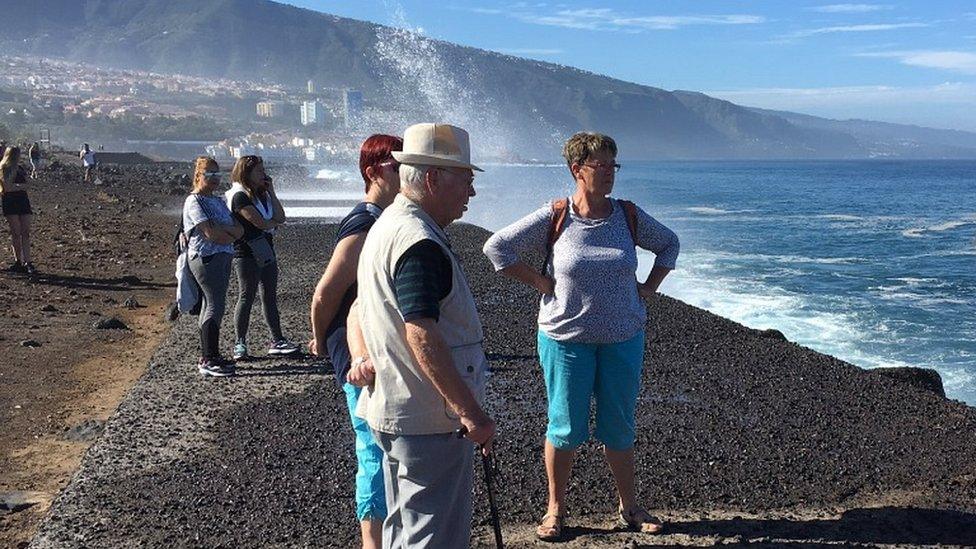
(16, 208)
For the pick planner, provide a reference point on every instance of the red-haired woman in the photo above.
(333, 298)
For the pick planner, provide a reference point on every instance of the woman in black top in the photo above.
(253, 202)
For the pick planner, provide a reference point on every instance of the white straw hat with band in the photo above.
(436, 145)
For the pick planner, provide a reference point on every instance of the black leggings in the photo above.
(250, 276)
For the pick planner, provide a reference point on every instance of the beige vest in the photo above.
(402, 399)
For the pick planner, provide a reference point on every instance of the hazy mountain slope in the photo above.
(515, 105)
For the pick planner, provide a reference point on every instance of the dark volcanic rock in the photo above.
(111, 323)
(131, 303)
(922, 378)
(14, 502)
(30, 343)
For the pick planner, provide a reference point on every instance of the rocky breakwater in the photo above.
(742, 438)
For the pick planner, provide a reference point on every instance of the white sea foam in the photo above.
(337, 174)
(352, 195)
(705, 210)
(917, 232)
(840, 217)
(324, 212)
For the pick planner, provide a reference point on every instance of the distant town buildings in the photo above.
(311, 113)
(311, 86)
(352, 106)
(271, 109)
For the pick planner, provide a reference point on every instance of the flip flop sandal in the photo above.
(640, 520)
(550, 533)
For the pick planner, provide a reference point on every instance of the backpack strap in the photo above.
(630, 212)
(557, 219)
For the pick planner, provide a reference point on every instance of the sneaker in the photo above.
(240, 350)
(216, 367)
(282, 347)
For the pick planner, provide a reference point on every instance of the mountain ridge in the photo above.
(518, 104)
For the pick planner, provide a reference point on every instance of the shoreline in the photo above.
(732, 422)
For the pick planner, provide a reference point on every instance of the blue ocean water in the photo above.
(869, 261)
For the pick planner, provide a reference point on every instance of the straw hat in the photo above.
(436, 145)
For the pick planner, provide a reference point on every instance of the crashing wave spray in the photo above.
(424, 84)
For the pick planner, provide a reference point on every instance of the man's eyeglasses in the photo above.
(602, 166)
(467, 177)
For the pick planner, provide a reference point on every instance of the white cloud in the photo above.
(850, 8)
(955, 61)
(530, 51)
(608, 19)
(873, 27)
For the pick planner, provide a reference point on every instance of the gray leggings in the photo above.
(213, 275)
(250, 276)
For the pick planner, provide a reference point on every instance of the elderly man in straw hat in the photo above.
(423, 339)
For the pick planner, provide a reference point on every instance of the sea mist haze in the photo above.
(869, 261)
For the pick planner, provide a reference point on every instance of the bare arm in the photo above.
(278, 215)
(653, 282)
(251, 214)
(363, 373)
(434, 358)
(339, 275)
(218, 233)
(530, 277)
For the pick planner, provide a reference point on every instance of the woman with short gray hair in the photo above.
(591, 318)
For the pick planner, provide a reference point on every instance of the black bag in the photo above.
(261, 250)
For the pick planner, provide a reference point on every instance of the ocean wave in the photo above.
(335, 174)
(840, 217)
(705, 210)
(712, 256)
(918, 232)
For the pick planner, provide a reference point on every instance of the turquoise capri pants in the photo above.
(370, 493)
(575, 373)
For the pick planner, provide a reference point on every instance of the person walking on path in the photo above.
(17, 209)
(89, 161)
(424, 339)
(591, 318)
(210, 230)
(254, 204)
(34, 154)
(331, 304)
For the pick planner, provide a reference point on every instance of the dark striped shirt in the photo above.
(422, 279)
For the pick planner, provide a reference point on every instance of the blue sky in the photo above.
(907, 62)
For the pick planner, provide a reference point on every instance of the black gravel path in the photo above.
(742, 438)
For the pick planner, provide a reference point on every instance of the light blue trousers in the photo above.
(576, 373)
(370, 494)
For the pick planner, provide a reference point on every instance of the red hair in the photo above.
(377, 149)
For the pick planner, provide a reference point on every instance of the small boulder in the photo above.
(921, 378)
(110, 323)
(131, 303)
(49, 308)
(86, 431)
(30, 343)
(18, 501)
(172, 312)
(772, 334)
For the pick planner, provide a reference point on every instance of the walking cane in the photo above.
(488, 466)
